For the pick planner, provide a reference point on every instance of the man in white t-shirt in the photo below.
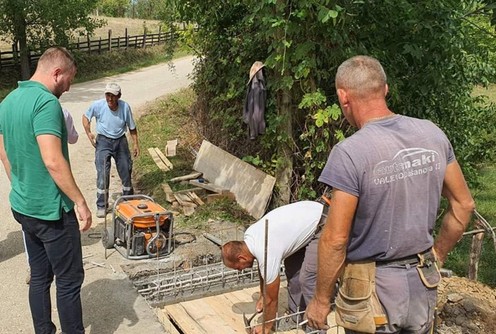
(293, 232)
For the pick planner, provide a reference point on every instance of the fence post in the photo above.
(127, 39)
(110, 40)
(15, 53)
(89, 43)
(159, 33)
(475, 252)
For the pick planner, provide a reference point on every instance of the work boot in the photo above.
(101, 212)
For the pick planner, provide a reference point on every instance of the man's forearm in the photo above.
(331, 259)
(134, 137)
(452, 228)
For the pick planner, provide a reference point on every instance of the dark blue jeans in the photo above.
(118, 149)
(54, 249)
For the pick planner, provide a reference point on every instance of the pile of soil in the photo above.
(465, 307)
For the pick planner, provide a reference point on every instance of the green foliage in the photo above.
(113, 8)
(45, 22)
(485, 197)
(221, 209)
(431, 51)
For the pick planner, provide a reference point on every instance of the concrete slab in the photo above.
(252, 187)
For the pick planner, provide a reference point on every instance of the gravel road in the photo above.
(110, 304)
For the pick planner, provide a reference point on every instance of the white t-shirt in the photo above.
(72, 134)
(290, 227)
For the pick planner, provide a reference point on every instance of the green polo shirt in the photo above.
(27, 112)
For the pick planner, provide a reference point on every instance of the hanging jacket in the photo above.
(254, 108)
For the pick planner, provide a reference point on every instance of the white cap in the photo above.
(113, 88)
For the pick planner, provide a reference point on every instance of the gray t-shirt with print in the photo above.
(396, 168)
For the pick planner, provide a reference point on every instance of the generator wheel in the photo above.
(108, 237)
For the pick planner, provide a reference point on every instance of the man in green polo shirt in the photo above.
(44, 196)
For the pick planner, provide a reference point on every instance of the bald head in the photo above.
(362, 76)
(235, 255)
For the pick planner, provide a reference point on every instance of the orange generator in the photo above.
(140, 228)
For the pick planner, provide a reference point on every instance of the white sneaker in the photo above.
(101, 212)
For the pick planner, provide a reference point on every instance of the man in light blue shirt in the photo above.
(113, 118)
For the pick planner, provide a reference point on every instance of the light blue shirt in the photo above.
(111, 124)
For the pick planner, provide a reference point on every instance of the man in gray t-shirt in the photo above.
(387, 182)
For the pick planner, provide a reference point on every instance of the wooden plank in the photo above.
(184, 200)
(185, 191)
(186, 323)
(164, 158)
(170, 148)
(208, 186)
(157, 159)
(166, 322)
(188, 177)
(209, 320)
(169, 196)
(232, 319)
(195, 198)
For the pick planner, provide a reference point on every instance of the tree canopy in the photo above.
(431, 52)
(35, 24)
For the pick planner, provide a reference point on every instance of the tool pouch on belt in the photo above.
(428, 270)
(357, 305)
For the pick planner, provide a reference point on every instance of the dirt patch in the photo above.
(465, 307)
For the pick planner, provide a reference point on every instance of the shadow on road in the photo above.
(12, 245)
(108, 303)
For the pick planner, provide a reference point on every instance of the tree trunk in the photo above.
(475, 254)
(284, 170)
(21, 37)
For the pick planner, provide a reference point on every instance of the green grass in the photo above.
(169, 119)
(485, 199)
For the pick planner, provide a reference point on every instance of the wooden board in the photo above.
(223, 313)
(157, 159)
(170, 148)
(184, 200)
(183, 319)
(164, 158)
(195, 198)
(188, 177)
(169, 196)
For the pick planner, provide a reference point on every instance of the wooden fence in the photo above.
(11, 58)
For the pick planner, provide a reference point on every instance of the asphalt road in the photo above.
(110, 304)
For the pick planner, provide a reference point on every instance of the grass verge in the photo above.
(168, 119)
(485, 199)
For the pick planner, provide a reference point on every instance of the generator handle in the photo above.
(128, 197)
